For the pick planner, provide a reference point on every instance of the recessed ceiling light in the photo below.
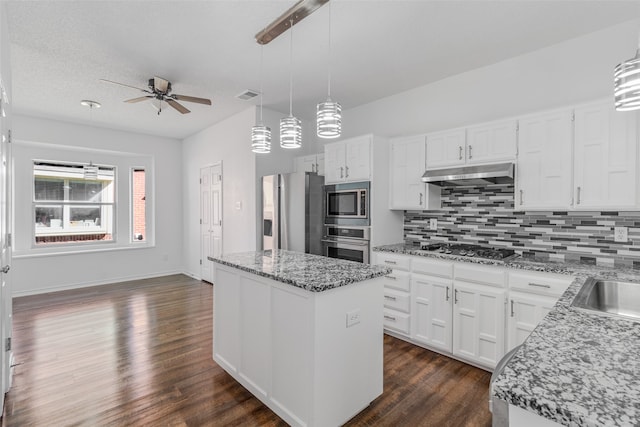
(90, 104)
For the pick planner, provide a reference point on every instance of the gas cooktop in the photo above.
(468, 250)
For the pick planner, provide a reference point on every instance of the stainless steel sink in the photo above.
(609, 297)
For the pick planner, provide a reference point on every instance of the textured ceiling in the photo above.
(60, 50)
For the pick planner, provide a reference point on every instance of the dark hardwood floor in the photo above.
(139, 353)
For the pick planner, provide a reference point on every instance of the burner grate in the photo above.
(468, 250)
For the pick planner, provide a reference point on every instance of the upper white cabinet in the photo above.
(544, 161)
(492, 142)
(484, 143)
(446, 148)
(407, 191)
(605, 158)
(310, 163)
(348, 161)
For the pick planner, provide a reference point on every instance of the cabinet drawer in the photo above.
(400, 262)
(539, 283)
(396, 300)
(396, 321)
(397, 279)
(493, 276)
(432, 267)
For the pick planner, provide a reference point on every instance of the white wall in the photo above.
(571, 72)
(33, 273)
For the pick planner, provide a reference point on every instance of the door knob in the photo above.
(6, 269)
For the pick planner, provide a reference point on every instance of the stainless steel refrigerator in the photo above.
(292, 212)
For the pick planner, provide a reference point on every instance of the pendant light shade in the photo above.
(329, 119)
(626, 83)
(329, 113)
(260, 139)
(290, 127)
(260, 134)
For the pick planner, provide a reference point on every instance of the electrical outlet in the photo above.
(620, 234)
(353, 317)
(433, 224)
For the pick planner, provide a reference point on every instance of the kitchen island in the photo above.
(303, 333)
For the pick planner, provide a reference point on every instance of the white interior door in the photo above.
(210, 218)
(5, 236)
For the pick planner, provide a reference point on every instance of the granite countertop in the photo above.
(577, 368)
(314, 273)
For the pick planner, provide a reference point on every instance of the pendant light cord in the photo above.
(261, 79)
(329, 55)
(291, 68)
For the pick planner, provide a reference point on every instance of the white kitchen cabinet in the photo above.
(446, 148)
(407, 191)
(531, 296)
(397, 292)
(348, 161)
(544, 171)
(431, 311)
(492, 142)
(310, 163)
(606, 161)
(478, 323)
(484, 143)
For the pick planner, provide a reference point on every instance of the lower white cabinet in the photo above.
(525, 312)
(433, 324)
(478, 323)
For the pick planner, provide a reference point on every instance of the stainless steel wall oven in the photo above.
(346, 242)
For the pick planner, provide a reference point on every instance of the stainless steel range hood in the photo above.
(498, 173)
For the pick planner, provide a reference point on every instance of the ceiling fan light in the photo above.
(626, 84)
(260, 139)
(290, 132)
(329, 119)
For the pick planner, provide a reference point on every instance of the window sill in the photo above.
(46, 252)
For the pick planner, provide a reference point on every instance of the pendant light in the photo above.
(626, 81)
(329, 113)
(261, 134)
(290, 127)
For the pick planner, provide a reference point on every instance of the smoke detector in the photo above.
(247, 94)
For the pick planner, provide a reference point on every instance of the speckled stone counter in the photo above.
(577, 368)
(311, 272)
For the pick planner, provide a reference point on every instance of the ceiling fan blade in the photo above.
(122, 84)
(177, 106)
(161, 84)
(192, 99)
(142, 98)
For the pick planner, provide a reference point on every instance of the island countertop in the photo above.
(313, 273)
(577, 368)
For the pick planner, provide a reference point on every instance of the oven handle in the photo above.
(346, 242)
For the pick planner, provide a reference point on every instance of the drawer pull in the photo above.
(389, 297)
(391, 277)
(447, 294)
(389, 317)
(390, 262)
(538, 285)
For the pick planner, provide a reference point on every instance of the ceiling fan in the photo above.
(160, 89)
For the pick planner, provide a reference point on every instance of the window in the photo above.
(138, 204)
(73, 203)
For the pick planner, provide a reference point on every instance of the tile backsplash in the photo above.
(484, 215)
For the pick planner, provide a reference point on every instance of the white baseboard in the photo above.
(96, 283)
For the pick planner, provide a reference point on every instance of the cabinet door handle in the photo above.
(578, 195)
(386, 261)
(446, 298)
(421, 199)
(455, 296)
(389, 297)
(459, 152)
(470, 147)
(346, 168)
(521, 197)
(389, 317)
(317, 167)
(512, 308)
(538, 285)
(341, 172)
(313, 167)
(391, 277)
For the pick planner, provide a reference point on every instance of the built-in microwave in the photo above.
(347, 204)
